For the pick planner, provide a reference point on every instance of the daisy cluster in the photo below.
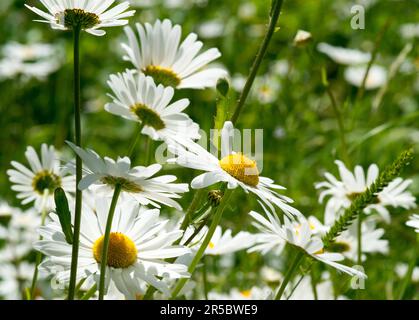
(149, 248)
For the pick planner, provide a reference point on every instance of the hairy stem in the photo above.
(79, 172)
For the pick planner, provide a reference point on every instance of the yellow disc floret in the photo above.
(161, 75)
(241, 168)
(122, 252)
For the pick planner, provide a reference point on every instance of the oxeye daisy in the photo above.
(160, 54)
(394, 195)
(137, 98)
(342, 192)
(371, 241)
(89, 15)
(136, 183)
(222, 242)
(298, 234)
(137, 248)
(236, 169)
(38, 183)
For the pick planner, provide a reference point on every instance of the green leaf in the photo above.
(64, 214)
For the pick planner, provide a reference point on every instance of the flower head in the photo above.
(136, 183)
(342, 192)
(137, 98)
(137, 248)
(88, 15)
(236, 169)
(160, 54)
(38, 183)
(300, 234)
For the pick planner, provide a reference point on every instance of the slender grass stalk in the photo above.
(339, 118)
(104, 258)
(79, 172)
(38, 260)
(377, 45)
(274, 17)
(215, 222)
(290, 272)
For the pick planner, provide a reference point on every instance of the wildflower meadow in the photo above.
(209, 150)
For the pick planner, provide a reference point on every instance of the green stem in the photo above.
(90, 293)
(79, 172)
(215, 222)
(275, 12)
(339, 118)
(204, 277)
(377, 45)
(359, 235)
(134, 142)
(192, 208)
(38, 260)
(104, 258)
(290, 272)
(408, 277)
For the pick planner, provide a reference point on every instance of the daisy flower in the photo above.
(137, 98)
(221, 242)
(137, 248)
(90, 15)
(394, 195)
(160, 54)
(299, 234)
(343, 192)
(36, 60)
(14, 278)
(37, 183)
(235, 169)
(224, 243)
(371, 240)
(136, 183)
(414, 222)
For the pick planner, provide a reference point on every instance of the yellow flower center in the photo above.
(246, 293)
(211, 245)
(126, 185)
(339, 247)
(122, 252)
(241, 168)
(161, 75)
(45, 180)
(78, 18)
(148, 116)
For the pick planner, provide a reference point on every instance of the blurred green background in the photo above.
(301, 138)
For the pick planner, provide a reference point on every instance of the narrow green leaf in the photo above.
(64, 214)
